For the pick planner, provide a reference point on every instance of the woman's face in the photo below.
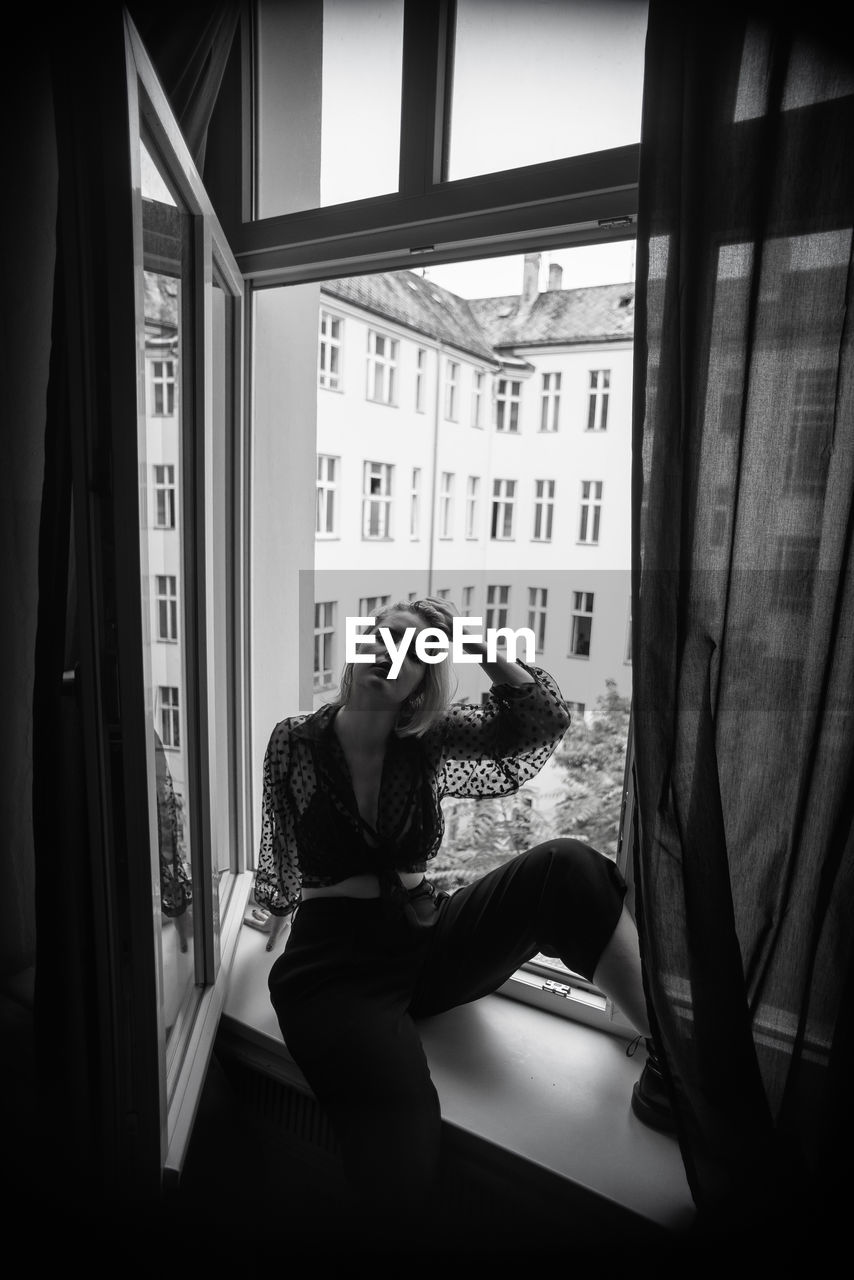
(376, 676)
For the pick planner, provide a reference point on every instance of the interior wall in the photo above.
(29, 250)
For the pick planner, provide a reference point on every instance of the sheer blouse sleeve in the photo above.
(491, 750)
(278, 880)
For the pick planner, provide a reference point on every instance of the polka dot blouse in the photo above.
(312, 832)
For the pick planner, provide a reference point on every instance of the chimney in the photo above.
(555, 275)
(531, 278)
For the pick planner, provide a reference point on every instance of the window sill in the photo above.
(543, 1090)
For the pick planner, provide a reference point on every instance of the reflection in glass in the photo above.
(163, 534)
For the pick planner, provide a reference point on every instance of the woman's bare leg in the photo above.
(618, 973)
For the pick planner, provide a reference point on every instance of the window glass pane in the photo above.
(337, 138)
(168, 257)
(538, 82)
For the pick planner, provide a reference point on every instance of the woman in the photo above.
(351, 820)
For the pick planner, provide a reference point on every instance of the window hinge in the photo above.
(557, 989)
(626, 221)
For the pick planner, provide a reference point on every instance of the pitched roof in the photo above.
(601, 313)
(417, 303)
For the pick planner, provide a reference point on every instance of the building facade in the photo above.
(480, 450)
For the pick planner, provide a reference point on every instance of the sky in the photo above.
(494, 277)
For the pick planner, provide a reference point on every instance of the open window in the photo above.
(383, 382)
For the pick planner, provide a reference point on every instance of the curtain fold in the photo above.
(190, 45)
(743, 598)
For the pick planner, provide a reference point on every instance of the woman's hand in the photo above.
(447, 611)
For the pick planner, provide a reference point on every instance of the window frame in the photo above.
(167, 607)
(326, 378)
(538, 601)
(447, 483)
(452, 390)
(166, 383)
(550, 403)
(382, 367)
(478, 390)
(544, 509)
(502, 503)
(472, 504)
(167, 489)
(327, 491)
(508, 406)
(590, 513)
(420, 379)
(324, 631)
(415, 505)
(577, 615)
(382, 500)
(598, 397)
(497, 611)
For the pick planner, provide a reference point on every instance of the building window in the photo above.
(591, 510)
(550, 405)
(576, 710)
(537, 600)
(382, 368)
(170, 716)
(420, 377)
(597, 408)
(497, 606)
(582, 624)
(544, 502)
(477, 385)
(472, 500)
(811, 431)
(503, 500)
(324, 634)
(167, 606)
(794, 574)
(370, 606)
(327, 495)
(164, 497)
(415, 504)
(329, 352)
(507, 399)
(452, 380)
(467, 603)
(446, 505)
(720, 513)
(163, 388)
(443, 593)
(376, 500)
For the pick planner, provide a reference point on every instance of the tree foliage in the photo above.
(578, 793)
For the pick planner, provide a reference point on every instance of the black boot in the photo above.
(650, 1097)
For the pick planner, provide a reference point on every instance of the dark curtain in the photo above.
(743, 604)
(189, 46)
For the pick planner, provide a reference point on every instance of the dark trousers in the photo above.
(353, 979)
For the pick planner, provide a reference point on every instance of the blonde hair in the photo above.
(433, 696)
